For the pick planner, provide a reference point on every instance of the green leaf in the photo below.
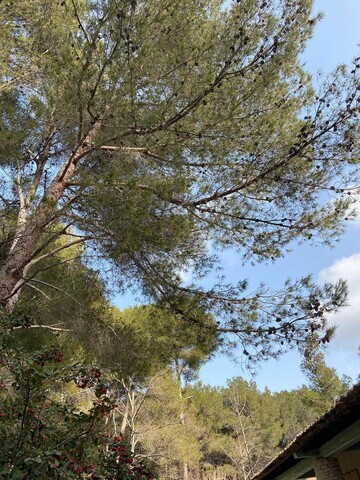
(5, 469)
(17, 474)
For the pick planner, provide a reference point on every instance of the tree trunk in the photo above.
(184, 466)
(125, 417)
(14, 269)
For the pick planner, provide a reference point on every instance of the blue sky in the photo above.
(335, 41)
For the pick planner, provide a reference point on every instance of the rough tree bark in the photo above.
(31, 226)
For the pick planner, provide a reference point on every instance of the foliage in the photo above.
(297, 409)
(65, 289)
(323, 380)
(44, 431)
(139, 140)
(59, 418)
(150, 338)
(232, 431)
(168, 429)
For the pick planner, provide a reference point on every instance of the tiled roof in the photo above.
(345, 412)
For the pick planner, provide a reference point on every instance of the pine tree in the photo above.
(155, 127)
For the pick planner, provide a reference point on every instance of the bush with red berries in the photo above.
(42, 433)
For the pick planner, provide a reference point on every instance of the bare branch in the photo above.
(56, 250)
(46, 327)
(54, 287)
(38, 290)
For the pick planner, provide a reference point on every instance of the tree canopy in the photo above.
(159, 133)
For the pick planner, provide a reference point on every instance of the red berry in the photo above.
(82, 382)
(96, 373)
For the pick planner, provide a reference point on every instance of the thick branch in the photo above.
(40, 167)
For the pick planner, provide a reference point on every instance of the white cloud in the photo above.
(348, 318)
(186, 275)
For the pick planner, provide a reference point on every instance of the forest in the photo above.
(141, 139)
(139, 397)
